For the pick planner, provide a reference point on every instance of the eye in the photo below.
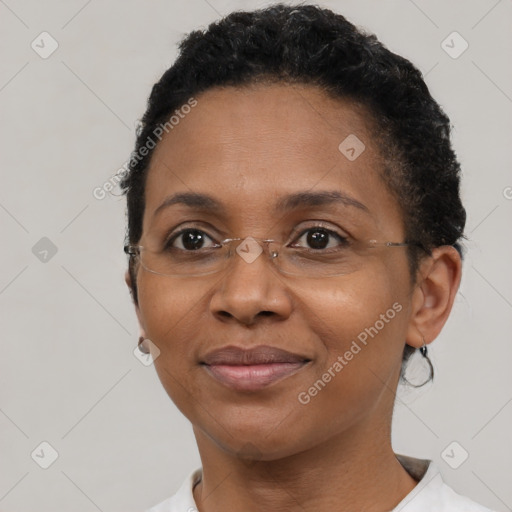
(189, 240)
(319, 238)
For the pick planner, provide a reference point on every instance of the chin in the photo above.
(256, 441)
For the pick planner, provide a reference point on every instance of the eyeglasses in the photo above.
(345, 258)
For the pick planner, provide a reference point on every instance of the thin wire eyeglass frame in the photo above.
(133, 250)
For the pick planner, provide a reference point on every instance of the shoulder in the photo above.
(432, 494)
(183, 500)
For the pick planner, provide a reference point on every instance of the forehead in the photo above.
(300, 121)
(250, 146)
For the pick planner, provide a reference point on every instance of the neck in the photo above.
(349, 472)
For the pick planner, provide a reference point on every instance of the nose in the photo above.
(251, 291)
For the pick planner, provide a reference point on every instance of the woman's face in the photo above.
(249, 149)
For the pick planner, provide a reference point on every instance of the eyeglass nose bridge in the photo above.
(250, 248)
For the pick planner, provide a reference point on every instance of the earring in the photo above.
(142, 347)
(424, 352)
(423, 349)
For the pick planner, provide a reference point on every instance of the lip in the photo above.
(252, 369)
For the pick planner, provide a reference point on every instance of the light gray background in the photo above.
(68, 375)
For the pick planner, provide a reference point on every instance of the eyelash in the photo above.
(344, 240)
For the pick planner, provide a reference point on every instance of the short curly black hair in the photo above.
(310, 45)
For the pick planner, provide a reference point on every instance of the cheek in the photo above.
(360, 324)
(171, 312)
(352, 304)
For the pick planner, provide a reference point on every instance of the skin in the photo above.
(265, 450)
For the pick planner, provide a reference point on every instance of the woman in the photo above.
(293, 237)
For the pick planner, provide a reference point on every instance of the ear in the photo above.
(128, 281)
(434, 293)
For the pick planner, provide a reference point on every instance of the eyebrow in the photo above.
(192, 200)
(320, 198)
(290, 202)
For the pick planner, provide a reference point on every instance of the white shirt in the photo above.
(431, 494)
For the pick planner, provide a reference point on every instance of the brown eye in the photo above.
(321, 238)
(188, 240)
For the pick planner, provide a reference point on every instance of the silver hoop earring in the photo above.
(424, 352)
(142, 347)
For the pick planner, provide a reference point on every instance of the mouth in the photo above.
(253, 369)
